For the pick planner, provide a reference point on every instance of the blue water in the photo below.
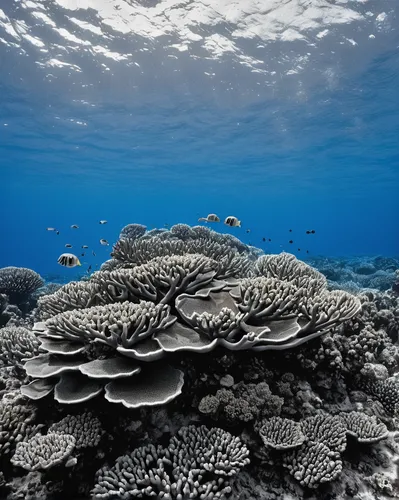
(182, 134)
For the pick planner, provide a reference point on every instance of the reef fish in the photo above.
(68, 245)
(74, 226)
(103, 221)
(209, 218)
(232, 221)
(68, 260)
(104, 242)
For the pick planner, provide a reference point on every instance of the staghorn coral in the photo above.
(43, 452)
(17, 344)
(18, 283)
(197, 463)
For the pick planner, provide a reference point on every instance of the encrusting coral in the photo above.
(187, 329)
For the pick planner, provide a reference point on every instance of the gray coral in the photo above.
(16, 424)
(313, 464)
(85, 428)
(116, 324)
(385, 391)
(16, 344)
(43, 452)
(326, 429)
(132, 231)
(73, 295)
(281, 433)
(197, 463)
(18, 283)
(364, 428)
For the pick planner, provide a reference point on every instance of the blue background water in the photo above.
(315, 148)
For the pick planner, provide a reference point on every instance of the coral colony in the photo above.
(195, 366)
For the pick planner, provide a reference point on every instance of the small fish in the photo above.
(308, 232)
(263, 239)
(89, 268)
(93, 253)
(104, 242)
(270, 239)
(290, 230)
(312, 231)
(307, 251)
(51, 229)
(209, 218)
(103, 221)
(290, 241)
(299, 249)
(85, 246)
(232, 221)
(74, 226)
(68, 260)
(82, 254)
(248, 231)
(68, 245)
(57, 232)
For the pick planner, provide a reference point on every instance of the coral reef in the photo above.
(194, 366)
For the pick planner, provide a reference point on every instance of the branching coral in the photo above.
(17, 344)
(364, 428)
(281, 433)
(313, 464)
(18, 283)
(85, 428)
(43, 452)
(16, 424)
(197, 463)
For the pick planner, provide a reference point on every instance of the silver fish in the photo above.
(51, 229)
(104, 242)
(85, 246)
(74, 226)
(103, 221)
(68, 245)
(209, 218)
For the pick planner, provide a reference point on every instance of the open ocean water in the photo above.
(283, 114)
